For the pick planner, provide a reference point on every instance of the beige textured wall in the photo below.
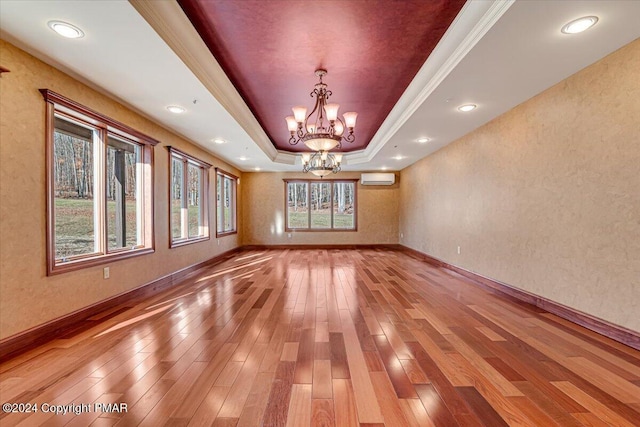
(27, 296)
(546, 197)
(263, 198)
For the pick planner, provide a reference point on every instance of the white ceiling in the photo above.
(495, 54)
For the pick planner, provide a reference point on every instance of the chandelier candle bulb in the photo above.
(291, 124)
(321, 130)
(332, 112)
(299, 113)
(350, 119)
(321, 163)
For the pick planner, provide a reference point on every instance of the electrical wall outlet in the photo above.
(289, 235)
(105, 272)
(402, 235)
(458, 250)
(218, 240)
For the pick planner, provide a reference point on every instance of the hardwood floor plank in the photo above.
(481, 407)
(304, 362)
(401, 384)
(595, 407)
(548, 404)
(440, 390)
(413, 371)
(389, 405)
(322, 386)
(589, 420)
(174, 397)
(225, 422)
(373, 360)
(617, 387)
(290, 352)
(489, 333)
(344, 403)
(339, 365)
(232, 407)
(322, 413)
(366, 403)
(533, 412)
(328, 337)
(300, 406)
(436, 409)
(257, 401)
(415, 413)
(278, 402)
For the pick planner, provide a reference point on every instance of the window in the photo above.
(189, 207)
(321, 205)
(99, 180)
(226, 202)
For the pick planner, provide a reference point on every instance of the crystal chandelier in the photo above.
(321, 163)
(322, 129)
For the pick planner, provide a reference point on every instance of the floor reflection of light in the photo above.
(139, 344)
(167, 301)
(204, 299)
(248, 256)
(229, 270)
(430, 403)
(132, 321)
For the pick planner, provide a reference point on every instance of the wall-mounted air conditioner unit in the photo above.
(378, 179)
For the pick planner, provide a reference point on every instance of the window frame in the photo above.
(234, 201)
(66, 108)
(187, 160)
(308, 182)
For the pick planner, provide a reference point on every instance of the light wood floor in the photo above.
(338, 337)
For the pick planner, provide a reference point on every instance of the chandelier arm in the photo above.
(320, 103)
(315, 108)
(350, 137)
(320, 136)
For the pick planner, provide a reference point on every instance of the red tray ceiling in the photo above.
(270, 49)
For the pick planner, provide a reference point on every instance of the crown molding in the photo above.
(172, 25)
(472, 23)
(286, 158)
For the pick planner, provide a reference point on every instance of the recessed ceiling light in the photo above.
(66, 30)
(384, 168)
(257, 169)
(243, 158)
(579, 25)
(219, 141)
(467, 107)
(423, 140)
(176, 109)
(398, 157)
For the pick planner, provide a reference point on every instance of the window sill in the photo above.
(315, 230)
(82, 263)
(226, 233)
(178, 243)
